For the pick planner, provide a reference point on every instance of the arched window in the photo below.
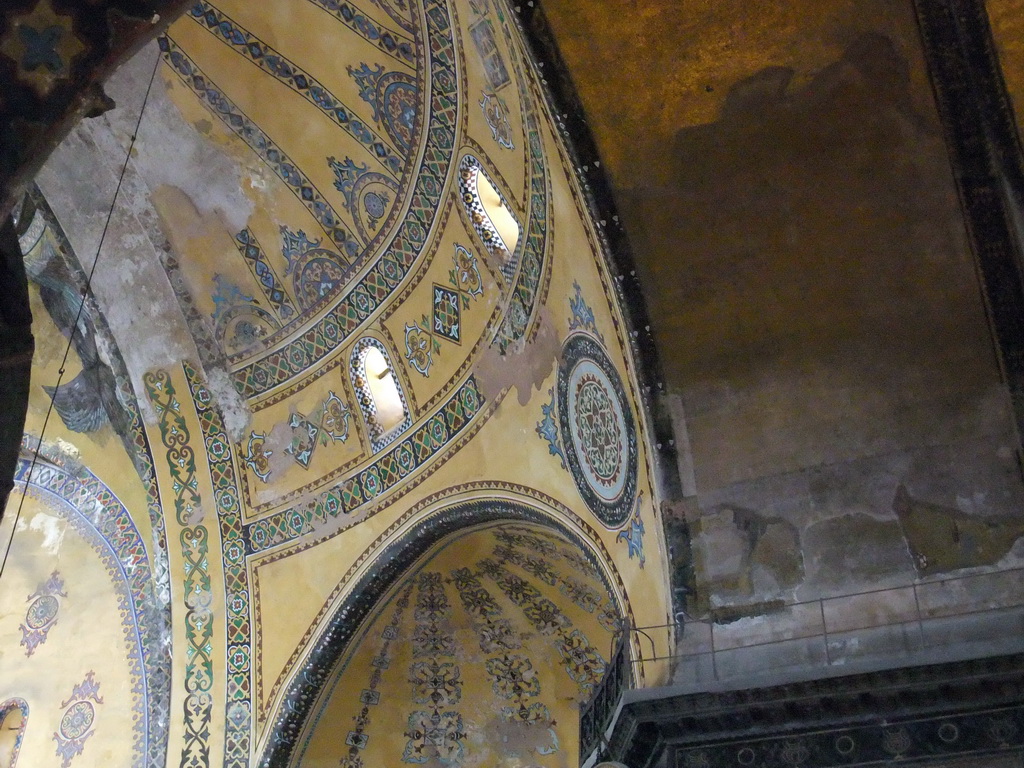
(13, 718)
(379, 392)
(491, 215)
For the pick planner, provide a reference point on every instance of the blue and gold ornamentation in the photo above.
(364, 296)
(194, 539)
(260, 143)
(597, 430)
(395, 101)
(96, 514)
(41, 615)
(388, 470)
(633, 535)
(262, 55)
(547, 428)
(78, 722)
(582, 318)
(238, 720)
(251, 251)
(400, 46)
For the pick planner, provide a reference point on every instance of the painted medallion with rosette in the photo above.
(598, 430)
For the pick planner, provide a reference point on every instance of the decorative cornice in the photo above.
(735, 720)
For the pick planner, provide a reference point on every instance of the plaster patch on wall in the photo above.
(525, 366)
(51, 527)
(943, 539)
(855, 548)
(176, 153)
(79, 181)
(233, 408)
(748, 557)
(184, 224)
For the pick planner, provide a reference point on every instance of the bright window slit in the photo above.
(384, 390)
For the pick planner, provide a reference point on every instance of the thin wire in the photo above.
(74, 328)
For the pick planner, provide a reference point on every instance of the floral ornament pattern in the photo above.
(633, 534)
(437, 733)
(42, 612)
(582, 661)
(512, 674)
(496, 115)
(257, 457)
(437, 684)
(497, 636)
(447, 306)
(329, 424)
(420, 346)
(76, 724)
(466, 275)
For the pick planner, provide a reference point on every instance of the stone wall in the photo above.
(841, 418)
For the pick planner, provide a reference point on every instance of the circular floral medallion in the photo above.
(77, 720)
(42, 611)
(597, 429)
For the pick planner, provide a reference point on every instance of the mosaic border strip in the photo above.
(194, 539)
(383, 278)
(238, 723)
(401, 47)
(406, 456)
(271, 61)
(117, 542)
(262, 145)
(534, 271)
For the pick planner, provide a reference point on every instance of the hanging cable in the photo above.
(87, 290)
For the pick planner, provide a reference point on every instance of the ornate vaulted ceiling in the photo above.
(344, 298)
(356, 349)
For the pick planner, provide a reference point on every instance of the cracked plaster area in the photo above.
(130, 284)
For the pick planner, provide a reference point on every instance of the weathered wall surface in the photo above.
(785, 182)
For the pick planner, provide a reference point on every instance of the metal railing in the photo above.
(596, 714)
(915, 616)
